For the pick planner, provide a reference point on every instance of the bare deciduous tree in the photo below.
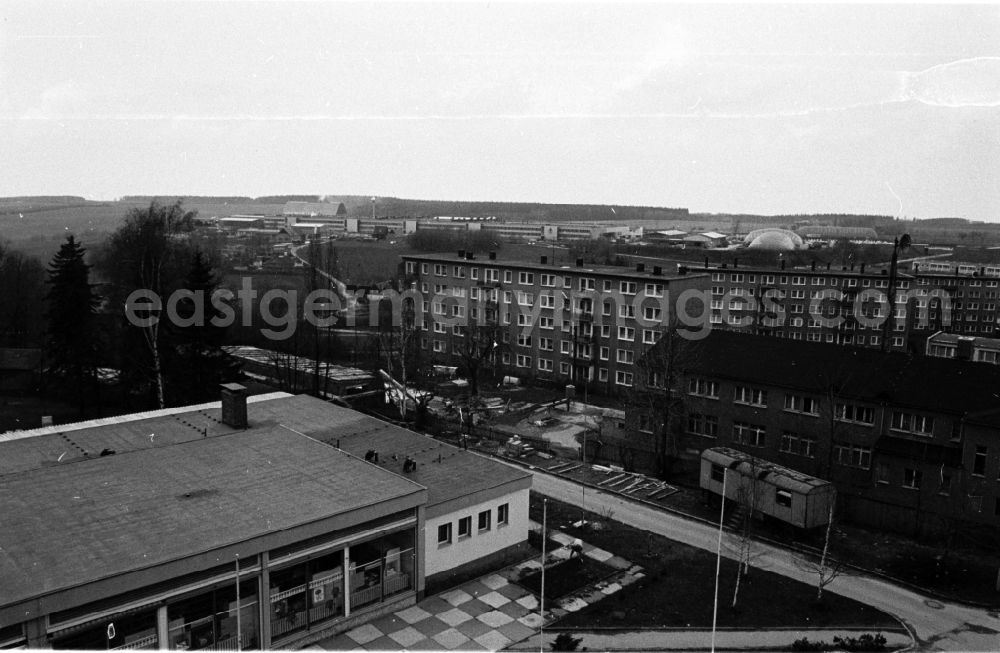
(748, 500)
(826, 569)
(659, 389)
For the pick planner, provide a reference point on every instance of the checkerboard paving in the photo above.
(494, 581)
(493, 640)
(412, 615)
(532, 620)
(450, 639)
(454, 617)
(456, 597)
(495, 619)
(494, 599)
(489, 613)
(407, 637)
(530, 602)
(364, 634)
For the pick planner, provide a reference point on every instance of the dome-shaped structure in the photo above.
(781, 240)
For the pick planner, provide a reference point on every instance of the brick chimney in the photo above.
(234, 405)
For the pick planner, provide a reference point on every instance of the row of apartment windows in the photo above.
(755, 436)
(483, 524)
(797, 280)
(865, 415)
(751, 435)
(546, 280)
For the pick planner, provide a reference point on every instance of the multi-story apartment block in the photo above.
(815, 305)
(969, 348)
(972, 302)
(911, 442)
(584, 324)
(849, 306)
(952, 268)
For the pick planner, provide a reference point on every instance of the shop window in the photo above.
(381, 568)
(12, 637)
(306, 594)
(132, 631)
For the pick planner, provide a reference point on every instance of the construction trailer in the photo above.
(784, 494)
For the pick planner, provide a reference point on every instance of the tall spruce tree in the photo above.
(196, 363)
(72, 343)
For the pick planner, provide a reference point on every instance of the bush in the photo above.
(566, 642)
(862, 644)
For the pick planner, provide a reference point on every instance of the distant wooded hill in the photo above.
(400, 207)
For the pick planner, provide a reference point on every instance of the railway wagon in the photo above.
(784, 494)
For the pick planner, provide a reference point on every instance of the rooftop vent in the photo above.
(234, 405)
(657, 270)
(640, 267)
(579, 262)
(461, 253)
(493, 256)
(545, 260)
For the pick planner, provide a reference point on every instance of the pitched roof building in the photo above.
(910, 441)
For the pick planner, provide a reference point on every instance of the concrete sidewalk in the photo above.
(701, 640)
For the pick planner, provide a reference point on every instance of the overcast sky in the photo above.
(888, 109)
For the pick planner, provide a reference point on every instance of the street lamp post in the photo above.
(583, 486)
(718, 559)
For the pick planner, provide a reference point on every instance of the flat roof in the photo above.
(64, 443)
(871, 271)
(460, 473)
(270, 357)
(954, 338)
(72, 524)
(589, 268)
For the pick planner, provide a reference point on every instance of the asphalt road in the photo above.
(936, 625)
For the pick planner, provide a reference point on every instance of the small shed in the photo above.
(784, 494)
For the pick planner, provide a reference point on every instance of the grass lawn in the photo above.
(566, 577)
(967, 572)
(679, 585)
